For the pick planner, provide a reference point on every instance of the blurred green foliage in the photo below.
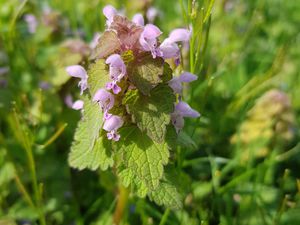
(253, 47)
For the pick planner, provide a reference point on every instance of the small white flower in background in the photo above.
(151, 14)
(32, 22)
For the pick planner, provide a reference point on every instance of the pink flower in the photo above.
(177, 121)
(117, 68)
(148, 39)
(169, 48)
(113, 86)
(117, 71)
(105, 99)
(138, 19)
(78, 105)
(182, 110)
(179, 35)
(176, 82)
(109, 12)
(112, 124)
(79, 72)
(185, 110)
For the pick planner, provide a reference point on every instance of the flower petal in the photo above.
(177, 121)
(77, 105)
(185, 110)
(148, 39)
(77, 71)
(151, 31)
(113, 86)
(169, 50)
(187, 77)
(104, 98)
(109, 12)
(176, 85)
(138, 19)
(117, 67)
(116, 137)
(179, 34)
(114, 60)
(113, 123)
(112, 135)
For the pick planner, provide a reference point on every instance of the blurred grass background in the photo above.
(241, 164)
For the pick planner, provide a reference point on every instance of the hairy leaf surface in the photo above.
(137, 186)
(143, 158)
(89, 150)
(108, 44)
(146, 73)
(151, 113)
(166, 194)
(98, 76)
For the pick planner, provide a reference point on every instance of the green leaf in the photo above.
(98, 76)
(137, 186)
(143, 159)
(168, 73)
(7, 173)
(108, 44)
(171, 137)
(146, 72)
(186, 141)
(151, 113)
(89, 150)
(166, 194)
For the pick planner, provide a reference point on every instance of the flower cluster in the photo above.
(138, 39)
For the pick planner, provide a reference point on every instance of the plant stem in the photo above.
(121, 204)
(27, 145)
(165, 217)
(36, 190)
(23, 190)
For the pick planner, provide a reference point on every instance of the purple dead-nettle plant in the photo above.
(132, 107)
